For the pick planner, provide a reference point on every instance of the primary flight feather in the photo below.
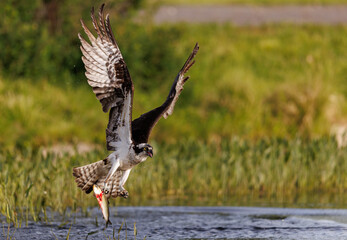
(108, 75)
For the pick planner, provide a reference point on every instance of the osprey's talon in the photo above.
(123, 193)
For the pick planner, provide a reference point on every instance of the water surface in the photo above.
(192, 223)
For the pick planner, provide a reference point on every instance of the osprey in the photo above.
(109, 77)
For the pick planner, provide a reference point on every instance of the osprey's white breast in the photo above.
(127, 158)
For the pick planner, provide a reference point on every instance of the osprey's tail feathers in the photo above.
(86, 176)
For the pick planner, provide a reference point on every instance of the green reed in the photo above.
(190, 172)
(247, 81)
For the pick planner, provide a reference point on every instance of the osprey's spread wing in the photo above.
(142, 126)
(108, 75)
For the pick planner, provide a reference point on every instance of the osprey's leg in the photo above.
(115, 165)
(124, 177)
(122, 191)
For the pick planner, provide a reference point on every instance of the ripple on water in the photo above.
(193, 223)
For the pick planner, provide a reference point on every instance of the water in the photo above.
(193, 223)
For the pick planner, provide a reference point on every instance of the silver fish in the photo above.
(103, 203)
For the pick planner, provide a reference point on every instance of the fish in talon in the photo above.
(103, 203)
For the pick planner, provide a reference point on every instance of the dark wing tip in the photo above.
(186, 78)
(196, 48)
(101, 13)
(189, 66)
(190, 60)
(102, 7)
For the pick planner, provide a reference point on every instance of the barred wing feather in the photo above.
(108, 75)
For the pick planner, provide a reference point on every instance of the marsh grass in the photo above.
(9, 233)
(246, 82)
(190, 171)
(283, 81)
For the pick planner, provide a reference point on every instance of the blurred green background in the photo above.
(254, 121)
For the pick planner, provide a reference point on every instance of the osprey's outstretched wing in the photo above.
(142, 126)
(108, 75)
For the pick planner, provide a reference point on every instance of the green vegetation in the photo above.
(281, 81)
(188, 172)
(245, 126)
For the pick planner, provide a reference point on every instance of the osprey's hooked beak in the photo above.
(149, 152)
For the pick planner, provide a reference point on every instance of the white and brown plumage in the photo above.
(108, 75)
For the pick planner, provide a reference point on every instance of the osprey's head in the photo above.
(144, 150)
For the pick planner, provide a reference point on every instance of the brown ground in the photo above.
(253, 15)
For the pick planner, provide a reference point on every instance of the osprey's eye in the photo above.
(145, 148)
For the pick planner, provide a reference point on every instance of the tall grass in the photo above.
(283, 81)
(191, 172)
(246, 82)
